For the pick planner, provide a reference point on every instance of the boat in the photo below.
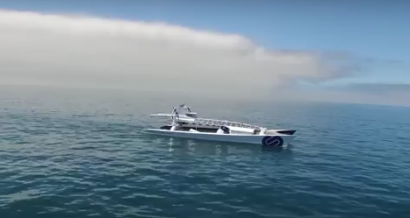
(189, 125)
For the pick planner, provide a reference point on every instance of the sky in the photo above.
(352, 51)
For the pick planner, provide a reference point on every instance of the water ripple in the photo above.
(84, 164)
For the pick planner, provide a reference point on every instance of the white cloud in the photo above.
(64, 50)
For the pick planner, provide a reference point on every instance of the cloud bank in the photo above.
(84, 51)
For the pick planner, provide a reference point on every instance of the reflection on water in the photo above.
(203, 147)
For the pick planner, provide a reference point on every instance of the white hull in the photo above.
(276, 140)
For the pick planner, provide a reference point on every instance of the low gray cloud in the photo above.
(86, 51)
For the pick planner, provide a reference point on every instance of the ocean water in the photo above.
(83, 155)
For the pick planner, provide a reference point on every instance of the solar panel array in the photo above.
(215, 122)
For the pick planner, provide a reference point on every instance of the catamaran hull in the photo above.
(277, 140)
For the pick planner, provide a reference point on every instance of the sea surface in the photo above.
(68, 154)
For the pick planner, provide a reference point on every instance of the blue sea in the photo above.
(67, 153)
